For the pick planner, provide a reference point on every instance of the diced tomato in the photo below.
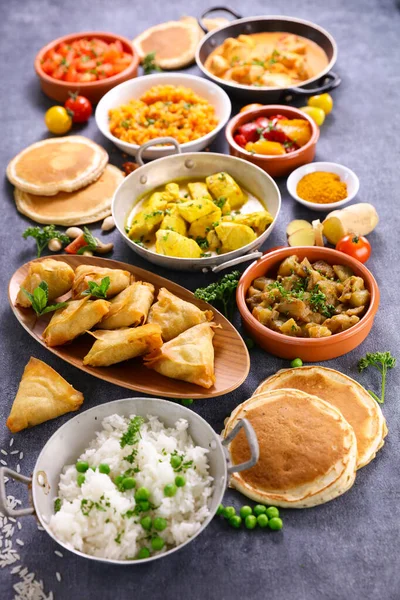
(76, 244)
(240, 140)
(71, 75)
(86, 60)
(59, 72)
(249, 131)
(275, 135)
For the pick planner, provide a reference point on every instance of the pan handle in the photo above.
(233, 262)
(252, 442)
(5, 508)
(150, 143)
(230, 11)
(328, 82)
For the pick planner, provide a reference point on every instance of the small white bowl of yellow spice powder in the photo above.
(323, 186)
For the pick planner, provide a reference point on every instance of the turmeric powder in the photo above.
(321, 188)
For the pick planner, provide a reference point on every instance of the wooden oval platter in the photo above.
(232, 361)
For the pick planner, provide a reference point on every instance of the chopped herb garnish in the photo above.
(57, 505)
(149, 63)
(132, 434)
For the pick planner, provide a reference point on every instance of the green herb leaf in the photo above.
(96, 290)
(383, 361)
(221, 294)
(91, 242)
(149, 63)
(57, 505)
(39, 299)
(43, 236)
(132, 434)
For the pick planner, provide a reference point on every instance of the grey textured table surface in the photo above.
(347, 549)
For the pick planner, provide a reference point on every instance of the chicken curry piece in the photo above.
(198, 218)
(308, 300)
(270, 59)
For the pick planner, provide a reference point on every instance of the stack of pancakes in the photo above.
(64, 181)
(315, 428)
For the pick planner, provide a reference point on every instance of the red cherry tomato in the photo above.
(249, 131)
(79, 107)
(356, 246)
(262, 122)
(240, 140)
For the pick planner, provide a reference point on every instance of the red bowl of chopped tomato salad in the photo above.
(90, 62)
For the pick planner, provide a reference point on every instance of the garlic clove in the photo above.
(74, 232)
(54, 245)
(108, 223)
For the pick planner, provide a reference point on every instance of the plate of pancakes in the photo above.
(315, 427)
(64, 181)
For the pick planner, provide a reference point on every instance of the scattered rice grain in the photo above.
(58, 576)
(19, 542)
(58, 553)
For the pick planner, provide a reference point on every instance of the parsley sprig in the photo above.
(97, 290)
(43, 236)
(39, 299)
(221, 294)
(383, 361)
(149, 63)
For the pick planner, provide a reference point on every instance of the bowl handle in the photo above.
(325, 84)
(233, 262)
(230, 11)
(5, 508)
(150, 143)
(251, 440)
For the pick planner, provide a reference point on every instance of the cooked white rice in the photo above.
(107, 531)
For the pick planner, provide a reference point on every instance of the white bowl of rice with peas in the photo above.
(139, 489)
(129, 481)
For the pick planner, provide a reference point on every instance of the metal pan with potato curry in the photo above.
(309, 300)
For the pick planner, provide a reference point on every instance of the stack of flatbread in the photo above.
(64, 181)
(315, 428)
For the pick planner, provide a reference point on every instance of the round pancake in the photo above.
(87, 205)
(174, 42)
(62, 164)
(357, 406)
(308, 451)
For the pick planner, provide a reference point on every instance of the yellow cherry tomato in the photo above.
(323, 101)
(251, 107)
(317, 114)
(58, 120)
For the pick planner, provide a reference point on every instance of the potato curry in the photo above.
(309, 300)
(198, 218)
(270, 59)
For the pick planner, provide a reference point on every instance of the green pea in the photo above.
(170, 490)
(82, 466)
(187, 401)
(175, 461)
(118, 480)
(157, 543)
(272, 512)
(128, 483)
(245, 511)
(262, 521)
(146, 522)
(220, 509)
(259, 509)
(180, 481)
(80, 479)
(143, 553)
(235, 521)
(142, 494)
(297, 362)
(159, 523)
(249, 343)
(250, 521)
(229, 512)
(275, 523)
(103, 468)
(144, 505)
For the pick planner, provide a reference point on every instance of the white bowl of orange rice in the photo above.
(190, 109)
